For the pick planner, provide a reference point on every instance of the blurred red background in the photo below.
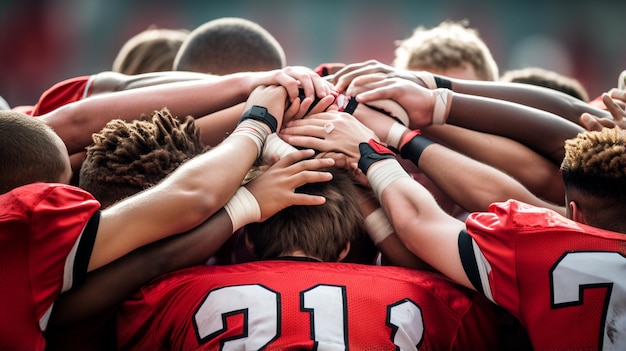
(46, 41)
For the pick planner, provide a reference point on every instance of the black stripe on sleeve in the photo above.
(468, 259)
(85, 248)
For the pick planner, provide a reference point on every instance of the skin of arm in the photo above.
(542, 98)
(471, 184)
(109, 81)
(539, 130)
(188, 196)
(274, 190)
(424, 228)
(393, 251)
(75, 122)
(535, 172)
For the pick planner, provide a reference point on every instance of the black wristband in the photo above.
(371, 152)
(351, 106)
(412, 150)
(443, 83)
(260, 113)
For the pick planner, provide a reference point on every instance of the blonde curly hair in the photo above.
(594, 174)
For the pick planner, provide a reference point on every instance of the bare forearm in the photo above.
(538, 174)
(534, 96)
(195, 191)
(472, 184)
(109, 81)
(424, 228)
(77, 121)
(541, 131)
(110, 285)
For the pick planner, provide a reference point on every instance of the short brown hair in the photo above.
(128, 157)
(28, 151)
(320, 231)
(448, 45)
(229, 45)
(594, 174)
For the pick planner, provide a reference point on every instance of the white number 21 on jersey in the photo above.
(327, 305)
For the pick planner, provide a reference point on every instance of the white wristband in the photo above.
(395, 135)
(378, 226)
(443, 102)
(383, 173)
(243, 208)
(274, 145)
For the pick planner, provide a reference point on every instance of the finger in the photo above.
(312, 165)
(296, 156)
(317, 119)
(306, 177)
(306, 103)
(619, 94)
(375, 94)
(307, 199)
(592, 123)
(307, 142)
(291, 111)
(289, 82)
(611, 105)
(322, 105)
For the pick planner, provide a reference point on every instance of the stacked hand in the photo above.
(615, 102)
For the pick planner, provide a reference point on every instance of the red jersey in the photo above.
(63, 93)
(562, 279)
(47, 232)
(296, 305)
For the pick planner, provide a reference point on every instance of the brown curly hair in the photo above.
(594, 173)
(128, 157)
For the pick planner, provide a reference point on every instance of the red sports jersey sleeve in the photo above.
(562, 279)
(46, 244)
(63, 93)
(291, 305)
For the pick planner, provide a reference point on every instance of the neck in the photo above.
(299, 254)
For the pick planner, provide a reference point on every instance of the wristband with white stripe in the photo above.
(377, 226)
(243, 208)
(254, 130)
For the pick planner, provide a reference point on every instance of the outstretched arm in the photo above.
(193, 192)
(273, 190)
(75, 122)
(541, 98)
(471, 184)
(542, 131)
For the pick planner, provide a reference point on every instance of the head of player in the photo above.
(31, 152)
(321, 232)
(128, 157)
(594, 174)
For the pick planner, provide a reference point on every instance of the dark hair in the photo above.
(547, 79)
(594, 174)
(29, 151)
(128, 157)
(229, 45)
(320, 231)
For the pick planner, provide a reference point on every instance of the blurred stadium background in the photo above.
(45, 41)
